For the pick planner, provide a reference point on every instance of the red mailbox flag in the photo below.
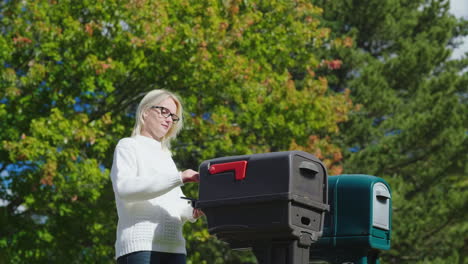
(239, 168)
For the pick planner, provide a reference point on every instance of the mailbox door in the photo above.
(381, 206)
(309, 177)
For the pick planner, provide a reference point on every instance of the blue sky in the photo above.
(460, 9)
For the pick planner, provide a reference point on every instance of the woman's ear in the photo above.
(145, 114)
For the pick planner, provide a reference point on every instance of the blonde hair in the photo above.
(155, 97)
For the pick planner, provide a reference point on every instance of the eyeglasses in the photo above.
(166, 113)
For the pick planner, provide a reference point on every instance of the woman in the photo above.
(147, 184)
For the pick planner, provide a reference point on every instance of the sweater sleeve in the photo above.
(186, 209)
(130, 184)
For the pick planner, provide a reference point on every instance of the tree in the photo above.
(72, 73)
(411, 128)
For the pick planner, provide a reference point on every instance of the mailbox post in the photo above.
(358, 225)
(274, 203)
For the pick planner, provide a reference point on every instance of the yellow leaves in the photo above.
(137, 42)
(310, 72)
(203, 44)
(331, 64)
(335, 170)
(9, 75)
(232, 6)
(12, 91)
(84, 134)
(322, 86)
(169, 30)
(305, 8)
(21, 41)
(102, 66)
(223, 26)
(293, 97)
(234, 9)
(54, 148)
(99, 66)
(90, 27)
(260, 99)
(106, 119)
(36, 71)
(19, 151)
(290, 86)
(49, 172)
(324, 33)
(136, 4)
(342, 104)
(347, 42)
(324, 150)
(312, 22)
(42, 27)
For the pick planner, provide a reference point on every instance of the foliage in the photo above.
(411, 128)
(72, 73)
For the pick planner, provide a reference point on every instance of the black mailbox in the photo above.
(264, 198)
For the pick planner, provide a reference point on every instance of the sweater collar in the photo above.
(147, 140)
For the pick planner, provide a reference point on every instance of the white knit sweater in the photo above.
(147, 191)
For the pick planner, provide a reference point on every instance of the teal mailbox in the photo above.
(359, 223)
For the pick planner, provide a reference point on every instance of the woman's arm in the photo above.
(130, 184)
(187, 212)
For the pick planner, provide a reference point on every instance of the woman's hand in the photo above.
(197, 213)
(190, 176)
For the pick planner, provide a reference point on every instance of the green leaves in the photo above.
(411, 127)
(249, 73)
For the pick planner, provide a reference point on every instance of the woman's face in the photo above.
(156, 125)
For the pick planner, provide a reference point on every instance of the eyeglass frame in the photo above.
(175, 118)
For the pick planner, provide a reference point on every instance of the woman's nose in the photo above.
(168, 119)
